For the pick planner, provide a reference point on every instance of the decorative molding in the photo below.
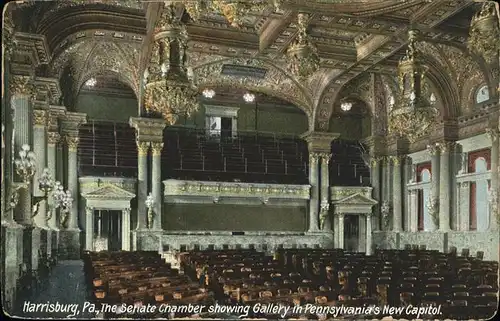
(109, 192)
(341, 192)
(156, 148)
(39, 118)
(221, 111)
(218, 190)
(319, 142)
(89, 184)
(143, 148)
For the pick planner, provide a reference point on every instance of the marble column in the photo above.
(314, 198)
(433, 203)
(142, 184)
(464, 206)
(326, 224)
(156, 184)
(89, 228)
(52, 141)
(397, 201)
(126, 229)
(341, 231)
(375, 182)
(368, 233)
(413, 210)
(39, 148)
(72, 175)
(494, 215)
(445, 186)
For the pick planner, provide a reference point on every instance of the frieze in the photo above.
(148, 129)
(230, 189)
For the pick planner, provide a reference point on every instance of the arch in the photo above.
(276, 81)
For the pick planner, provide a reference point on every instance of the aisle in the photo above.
(65, 290)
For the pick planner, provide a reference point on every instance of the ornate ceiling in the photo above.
(112, 39)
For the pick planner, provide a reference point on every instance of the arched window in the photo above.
(424, 176)
(479, 210)
(482, 94)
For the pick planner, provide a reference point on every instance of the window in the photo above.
(424, 176)
(482, 94)
(479, 210)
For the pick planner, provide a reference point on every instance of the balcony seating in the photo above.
(109, 149)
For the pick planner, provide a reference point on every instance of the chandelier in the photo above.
(346, 105)
(303, 55)
(412, 115)
(484, 33)
(249, 97)
(168, 90)
(209, 93)
(25, 164)
(150, 203)
(232, 10)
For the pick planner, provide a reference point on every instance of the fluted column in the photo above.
(22, 90)
(126, 229)
(375, 182)
(325, 223)
(142, 184)
(397, 201)
(156, 184)
(368, 234)
(72, 175)
(314, 198)
(494, 208)
(341, 231)
(39, 148)
(433, 203)
(89, 228)
(52, 141)
(445, 186)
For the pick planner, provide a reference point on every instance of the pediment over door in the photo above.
(109, 192)
(356, 203)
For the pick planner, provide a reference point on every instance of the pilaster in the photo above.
(493, 134)
(156, 183)
(445, 185)
(39, 148)
(397, 200)
(433, 203)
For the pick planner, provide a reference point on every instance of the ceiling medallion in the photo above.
(303, 55)
(168, 90)
(412, 116)
(232, 10)
(484, 33)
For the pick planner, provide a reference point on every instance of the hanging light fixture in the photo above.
(249, 97)
(169, 91)
(91, 82)
(209, 93)
(412, 115)
(345, 105)
(303, 54)
(484, 32)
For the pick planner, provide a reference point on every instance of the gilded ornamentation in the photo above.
(433, 149)
(53, 138)
(396, 160)
(143, 148)
(39, 117)
(156, 148)
(446, 147)
(325, 157)
(22, 85)
(413, 115)
(8, 38)
(375, 161)
(72, 143)
(492, 134)
(276, 82)
(303, 55)
(485, 32)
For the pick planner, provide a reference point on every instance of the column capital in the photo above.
(55, 114)
(22, 86)
(148, 129)
(319, 141)
(325, 157)
(143, 148)
(72, 142)
(39, 118)
(71, 121)
(433, 149)
(492, 133)
(446, 146)
(89, 209)
(376, 160)
(396, 159)
(53, 138)
(156, 148)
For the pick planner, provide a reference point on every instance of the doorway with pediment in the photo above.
(107, 218)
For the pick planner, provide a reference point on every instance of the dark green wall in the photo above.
(101, 107)
(269, 119)
(351, 127)
(228, 217)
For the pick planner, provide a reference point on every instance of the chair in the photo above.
(465, 252)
